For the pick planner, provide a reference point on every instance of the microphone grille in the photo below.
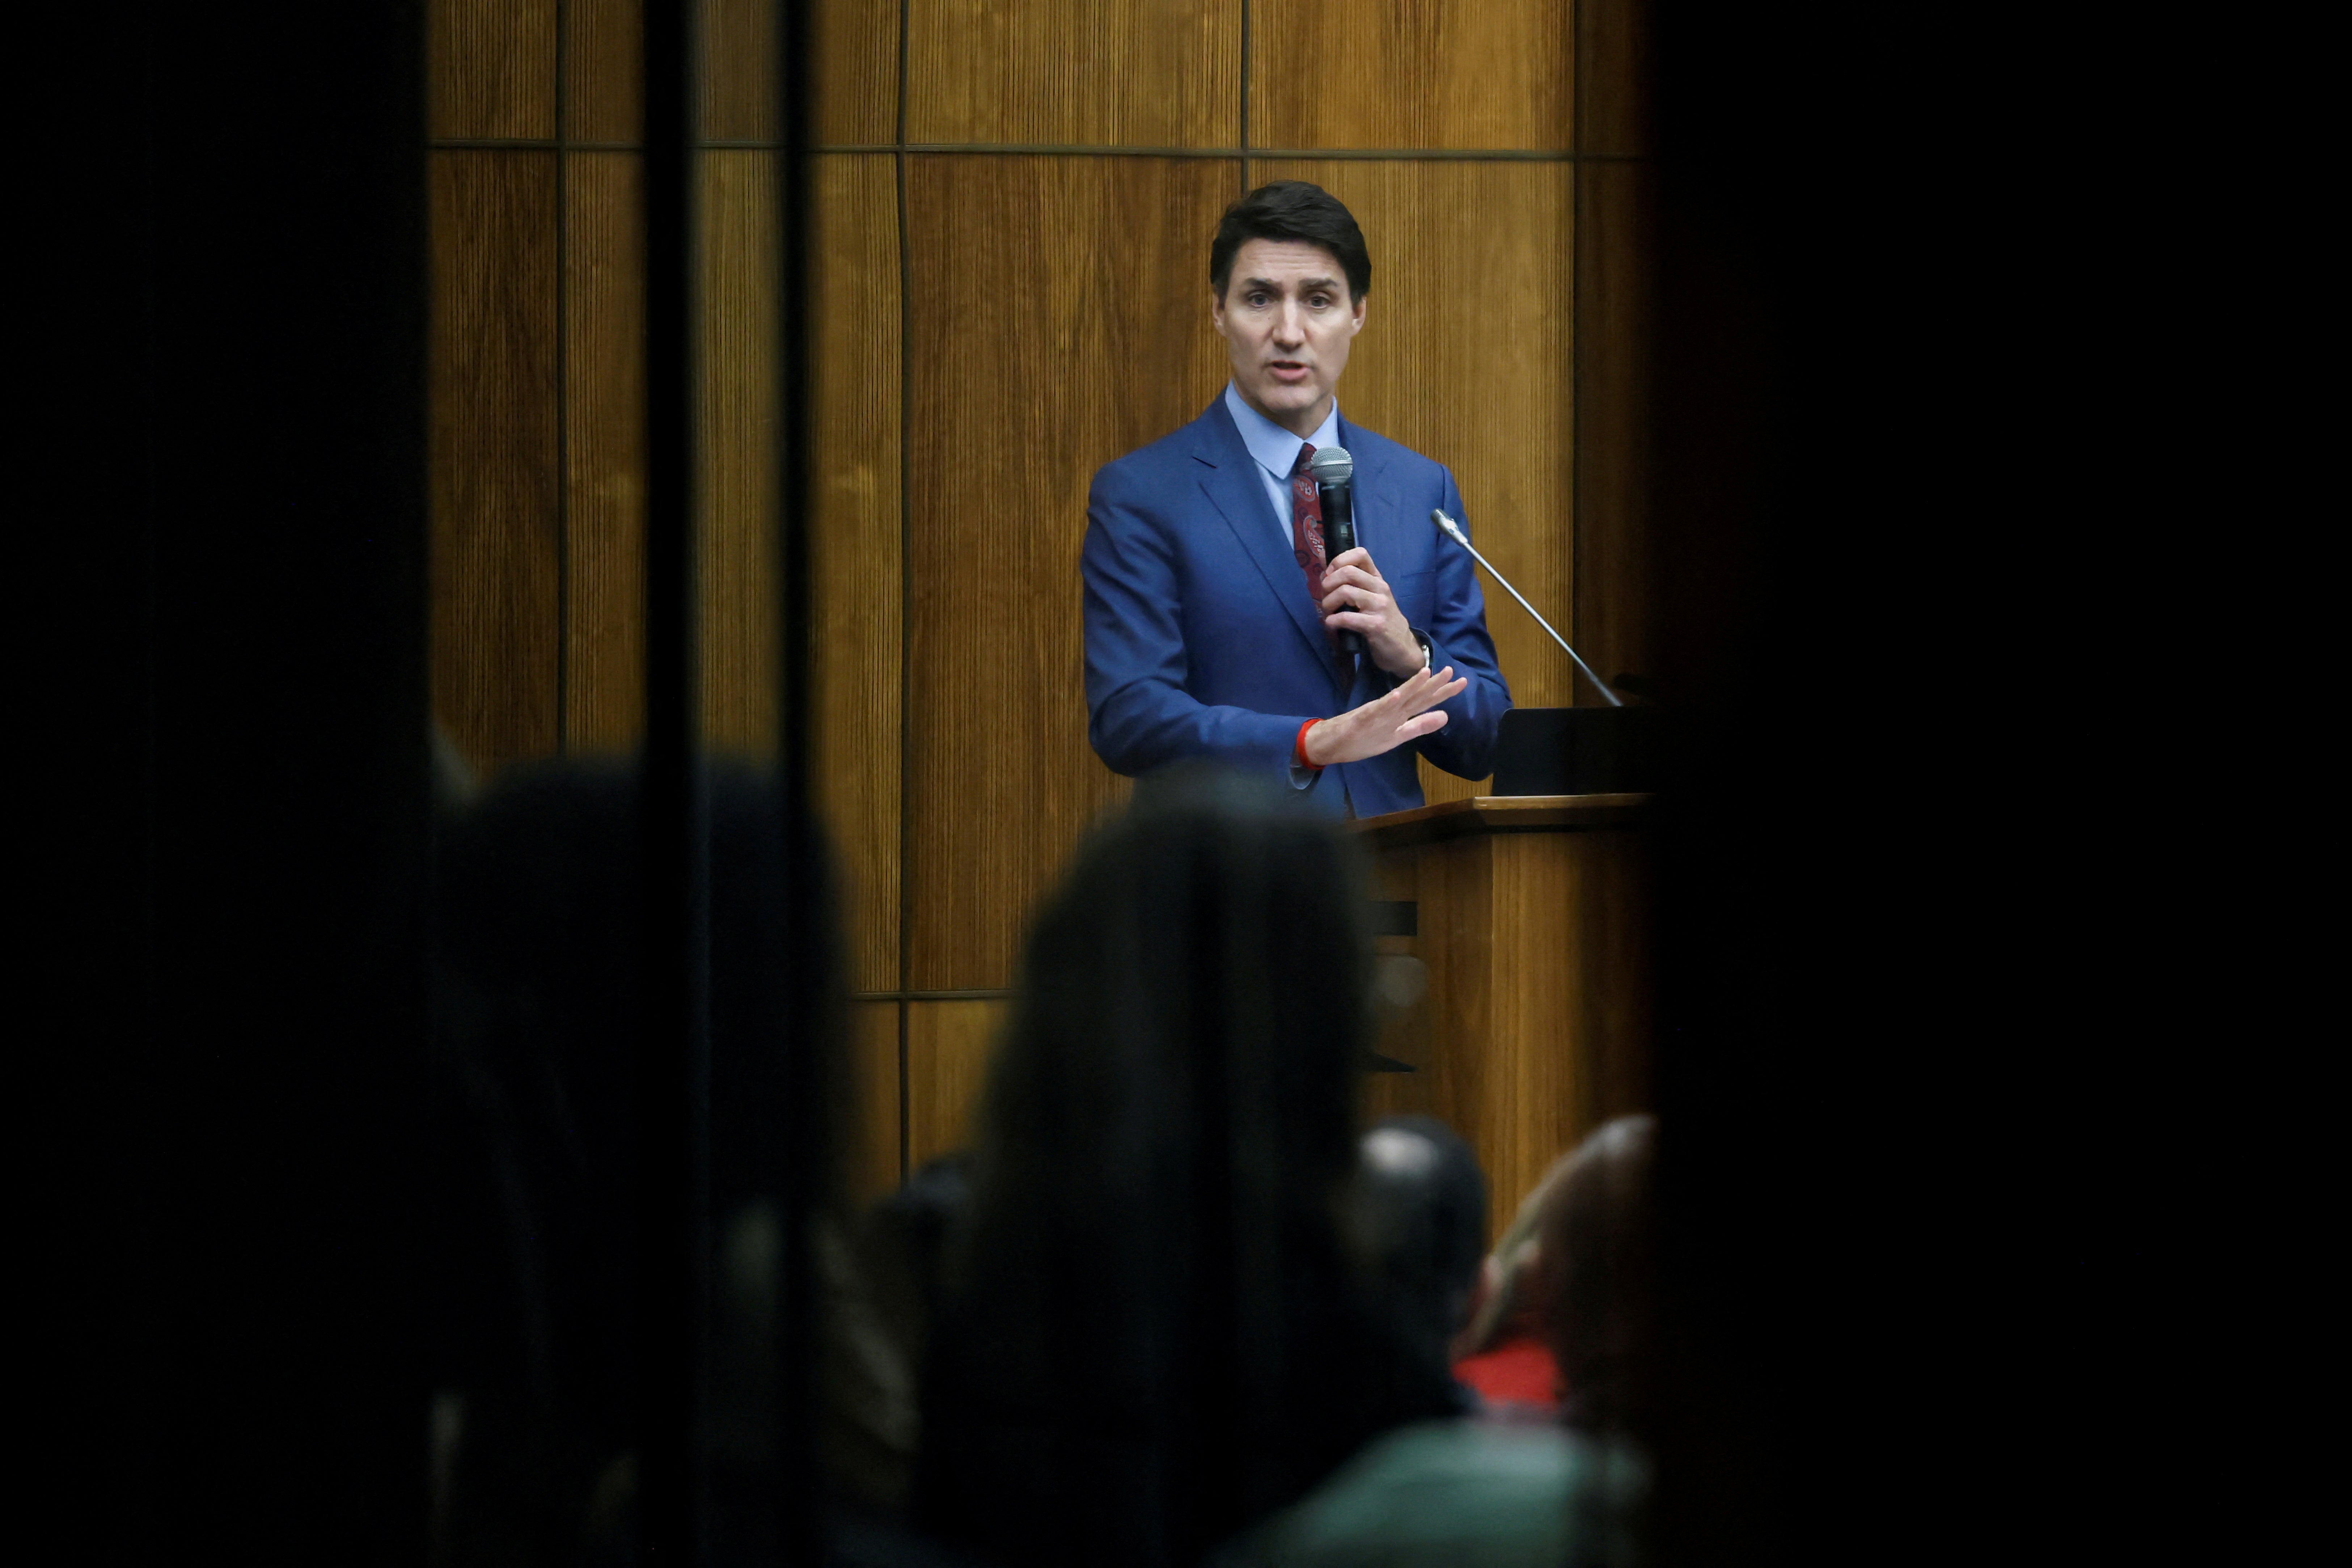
(1331, 465)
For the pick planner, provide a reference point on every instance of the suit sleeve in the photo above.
(1457, 635)
(1140, 717)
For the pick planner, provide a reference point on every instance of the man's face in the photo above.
(1287, 320)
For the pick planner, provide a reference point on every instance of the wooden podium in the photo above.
(1514, 973)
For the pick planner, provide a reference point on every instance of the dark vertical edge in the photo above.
(673, 1057)
(811, 1058)
(1243, 130)
(562, 378)
(906, 615)
(1581, 71)
(223, 1216)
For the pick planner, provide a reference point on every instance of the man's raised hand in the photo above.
(1383, 724)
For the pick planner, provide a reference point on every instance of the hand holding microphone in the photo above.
(1357, 604)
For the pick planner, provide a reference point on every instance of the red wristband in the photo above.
(1298, 748)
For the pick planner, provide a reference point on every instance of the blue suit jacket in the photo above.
(1201, 641)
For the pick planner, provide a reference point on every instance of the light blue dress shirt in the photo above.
(1276, 451)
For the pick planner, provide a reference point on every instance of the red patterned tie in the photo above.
(1306, 530)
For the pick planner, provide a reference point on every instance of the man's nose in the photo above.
(1290, 323)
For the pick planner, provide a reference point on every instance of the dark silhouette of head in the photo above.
(1599, 1259)
(1154, 1331)
(1423, 1208)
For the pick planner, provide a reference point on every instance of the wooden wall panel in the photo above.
(855, 548)
(604, 452)
(1465, 357)
(1613, 277)
(1059, 320)
(491, 67)
(1130, 73)
(856, 68)
(738, 70)
(496, 561)
(873, 1151)
(736, 524)
(605, 78)
(1425, 74)
(948, 1045)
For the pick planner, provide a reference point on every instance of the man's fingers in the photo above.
(1428, 724)
(1359, 556)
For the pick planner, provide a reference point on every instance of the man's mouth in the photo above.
(1287, 370)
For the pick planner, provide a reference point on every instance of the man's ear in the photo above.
(1217, 312)
(1358, 313)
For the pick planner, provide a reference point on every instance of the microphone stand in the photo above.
(1453, 531)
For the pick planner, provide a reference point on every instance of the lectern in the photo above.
(1513, 974)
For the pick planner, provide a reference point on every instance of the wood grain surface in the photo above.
(604, 66)
(496, 561)
(1412, 74)
(738, 70)
(1109, 73)
(1466, 357)
(1533, 1027)
(855, 548)
(856, 70)
(491, 67)
(1060, 320)
(737, 521)
(1613, 312)
(604, 452)
(949, 1046)
(1502, 814)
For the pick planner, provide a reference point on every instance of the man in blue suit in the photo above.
(1211, 614)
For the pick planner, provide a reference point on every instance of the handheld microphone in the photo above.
(1335, 477)
(1453, 531)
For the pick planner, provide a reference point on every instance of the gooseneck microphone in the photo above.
(1335, 477)
(1453, 531)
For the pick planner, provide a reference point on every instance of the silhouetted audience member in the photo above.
(903, 1250)
(1422, 1202)
(1504, 1353)
(540, 1007)
(1601, 1273)
(1482, 1494)
(1155, 1332)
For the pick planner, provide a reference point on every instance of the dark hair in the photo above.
(1423, 1202)
(1599, 1258)
(1295, 210)
(1154, 1332)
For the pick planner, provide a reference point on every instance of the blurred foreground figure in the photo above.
(1154, 1334)
(1483, 1494)
(1601, 1275)
(540, 1006)
(1422, 1201)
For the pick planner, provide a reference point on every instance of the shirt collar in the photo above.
(1275, 449)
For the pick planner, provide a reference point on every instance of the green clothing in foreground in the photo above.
(1459, 1494)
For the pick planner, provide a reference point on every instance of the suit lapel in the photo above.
(1379, 528)
(1230, 481)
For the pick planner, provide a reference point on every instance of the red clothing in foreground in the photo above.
(1518, 1371)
